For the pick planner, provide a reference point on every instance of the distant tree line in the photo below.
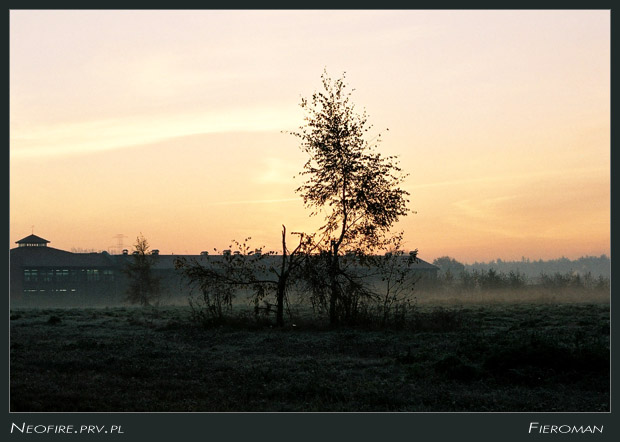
(590, 273)
(595, 265)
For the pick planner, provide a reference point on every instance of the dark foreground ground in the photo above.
(506, 357)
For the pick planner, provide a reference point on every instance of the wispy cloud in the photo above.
(96, 136)
(240, 202)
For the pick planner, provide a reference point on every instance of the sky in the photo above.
(171, 124)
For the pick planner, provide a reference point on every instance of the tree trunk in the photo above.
(280, 300)
(334, 268)
(281, 283)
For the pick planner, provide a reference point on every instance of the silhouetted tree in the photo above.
(219, 277)
(143, 286)
(447, 264)
(355, 187)
(398, 277)
(290, 265)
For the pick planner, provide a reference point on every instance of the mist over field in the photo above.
(446, 298)
(444, 347)
(586, 279)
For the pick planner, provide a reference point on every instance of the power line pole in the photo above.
(119, 243)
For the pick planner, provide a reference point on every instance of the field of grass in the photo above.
(504, 356)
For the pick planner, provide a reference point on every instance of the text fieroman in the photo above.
(535, 427)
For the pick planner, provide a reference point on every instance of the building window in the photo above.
(47, 275)
(31, 275)
(92, 275)
(61, 274)
(108, 275)
(74, 275)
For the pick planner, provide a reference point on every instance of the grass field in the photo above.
(503, 356)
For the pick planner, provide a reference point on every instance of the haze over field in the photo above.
(169, 123)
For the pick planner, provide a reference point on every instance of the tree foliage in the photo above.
(265, 275)
(447, 264)
(217, 279)
(358, 192)
(144, 286)
(351, 183)
(355, 187)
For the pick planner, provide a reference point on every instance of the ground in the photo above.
(508, 357)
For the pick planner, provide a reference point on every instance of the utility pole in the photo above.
(119, 243)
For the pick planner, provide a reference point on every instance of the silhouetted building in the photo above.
(32, 241)
(43, 275)
(41, 272)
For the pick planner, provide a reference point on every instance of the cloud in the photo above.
(101, 135)
(242, 202)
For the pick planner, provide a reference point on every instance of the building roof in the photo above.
(424, 265)
(160, 262)
(167, 261)
(32, 239)
(49, 256)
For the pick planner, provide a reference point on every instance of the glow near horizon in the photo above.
(168, 123)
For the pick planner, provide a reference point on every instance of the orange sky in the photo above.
(168, 123)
